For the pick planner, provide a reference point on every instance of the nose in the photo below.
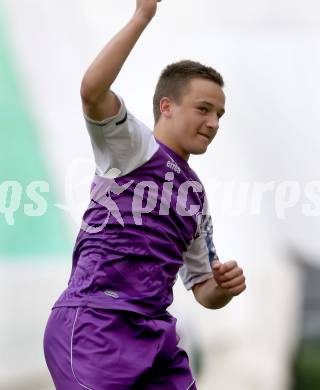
(213, 122)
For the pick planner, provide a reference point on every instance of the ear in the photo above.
(166, 106)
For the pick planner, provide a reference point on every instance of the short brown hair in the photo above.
(175, 78)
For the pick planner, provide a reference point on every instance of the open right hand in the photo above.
(146, 8)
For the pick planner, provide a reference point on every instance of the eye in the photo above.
(220, 114)
(203, 109)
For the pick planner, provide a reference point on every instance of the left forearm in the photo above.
(210, 295)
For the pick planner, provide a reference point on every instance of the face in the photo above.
(194, 122)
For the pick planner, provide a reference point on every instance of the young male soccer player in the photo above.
(147, 220)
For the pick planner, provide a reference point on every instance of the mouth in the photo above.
(207, 137)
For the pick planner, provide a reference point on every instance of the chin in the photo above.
(198, 150)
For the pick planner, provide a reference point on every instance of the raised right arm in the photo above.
(97, 99)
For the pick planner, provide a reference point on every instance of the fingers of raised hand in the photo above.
(235, 282)
(235, 290)
(227, 269)
(228, 266)
(229, 275)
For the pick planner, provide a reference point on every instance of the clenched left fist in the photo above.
(229, 276)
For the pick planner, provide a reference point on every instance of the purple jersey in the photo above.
(142, 227)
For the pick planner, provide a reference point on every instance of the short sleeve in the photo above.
(121, 142)
(198, 258)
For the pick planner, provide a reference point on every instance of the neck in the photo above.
(163, 135)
